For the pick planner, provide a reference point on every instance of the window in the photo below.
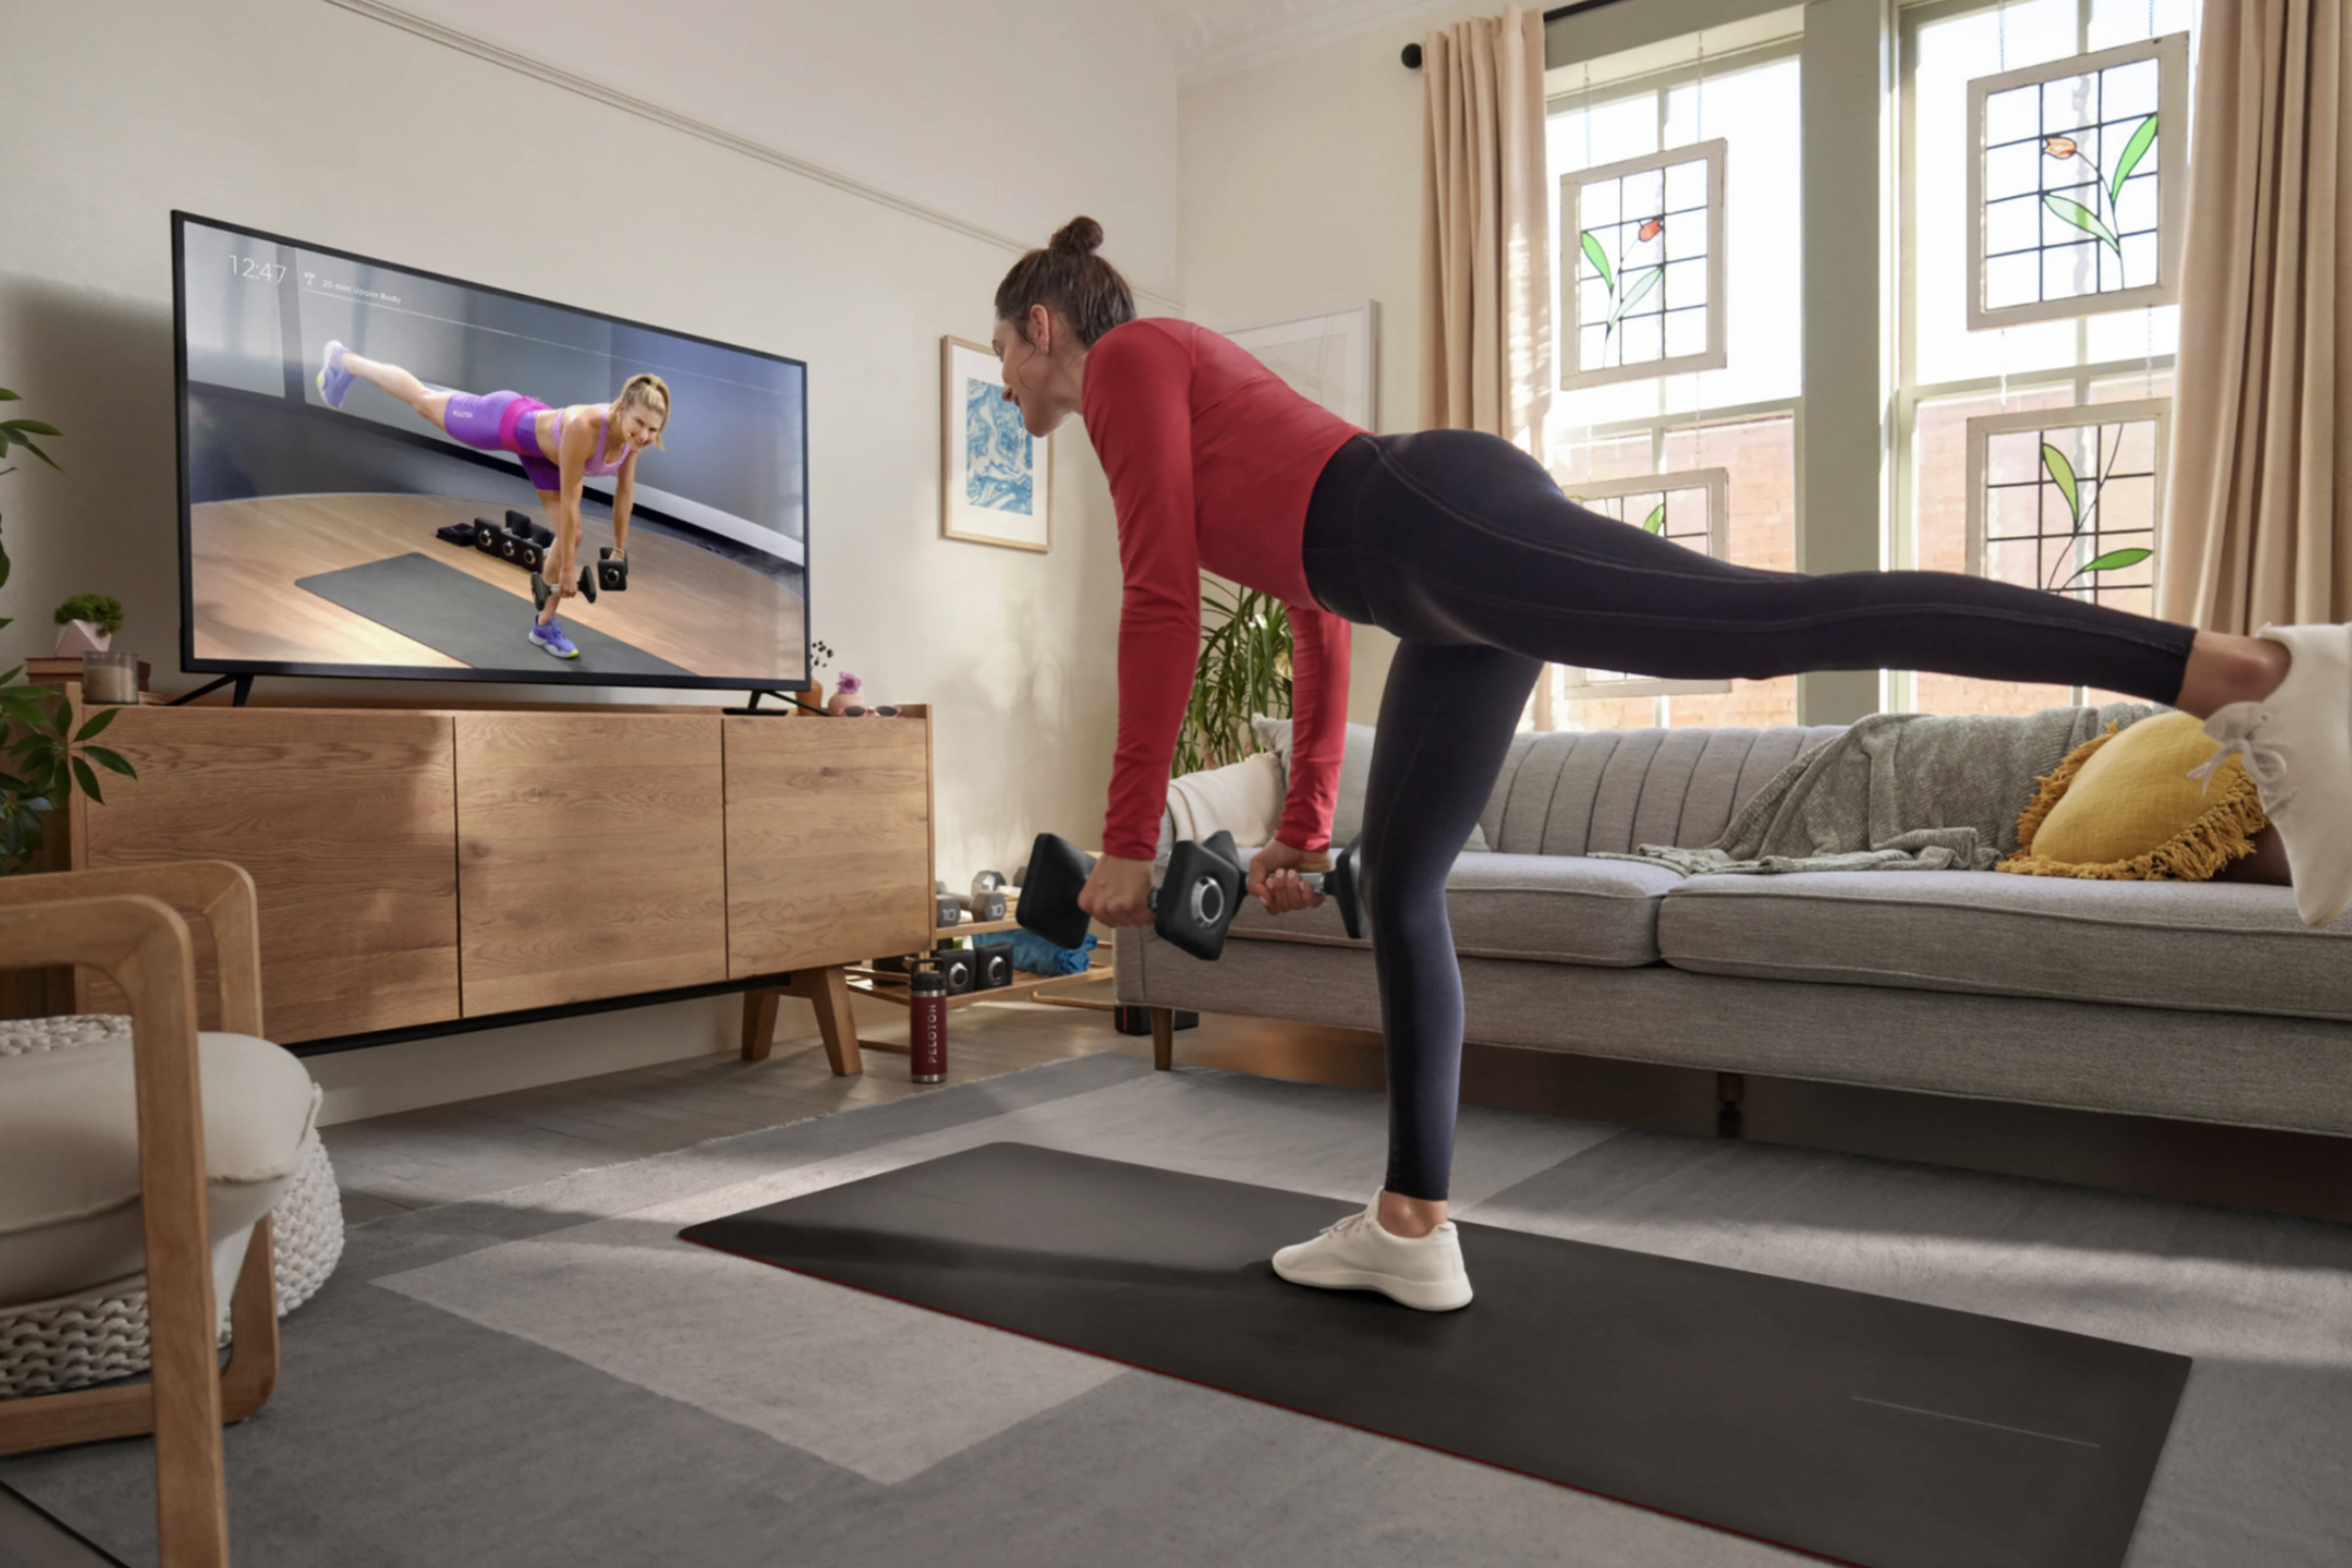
(2043, 145)
(1678, 332)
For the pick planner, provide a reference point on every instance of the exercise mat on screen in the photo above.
(1853, 1427)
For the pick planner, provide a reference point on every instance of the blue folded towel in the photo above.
(1036, 955)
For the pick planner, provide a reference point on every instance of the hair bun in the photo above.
(1080, 236)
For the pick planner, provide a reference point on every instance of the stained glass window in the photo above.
(2073, 196)
(2066, 500)
(1642, 289)
(1691, 509)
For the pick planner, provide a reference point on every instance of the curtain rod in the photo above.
(1412, 51)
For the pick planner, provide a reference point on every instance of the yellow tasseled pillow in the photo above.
(2123, 807)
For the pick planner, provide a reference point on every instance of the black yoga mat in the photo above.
(1853, 1427)
(475, 622)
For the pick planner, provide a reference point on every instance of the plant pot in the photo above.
(79, 637)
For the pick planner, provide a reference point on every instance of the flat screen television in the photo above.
(373, 472)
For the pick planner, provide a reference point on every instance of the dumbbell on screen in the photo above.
(1191, 909)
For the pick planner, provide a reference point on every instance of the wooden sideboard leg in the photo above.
(829, 990)
(1163, 1038)
(758, 1023)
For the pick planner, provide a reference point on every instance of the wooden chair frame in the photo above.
(130, 923)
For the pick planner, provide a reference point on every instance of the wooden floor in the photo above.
(695, 608)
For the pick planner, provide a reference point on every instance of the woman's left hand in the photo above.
(1274, 877)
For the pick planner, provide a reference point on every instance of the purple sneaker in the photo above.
(333, 380)
(551, 637)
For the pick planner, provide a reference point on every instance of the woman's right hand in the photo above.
(1119, 892)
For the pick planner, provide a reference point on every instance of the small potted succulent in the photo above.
(89, 622)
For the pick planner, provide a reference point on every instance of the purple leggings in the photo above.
(500, 421)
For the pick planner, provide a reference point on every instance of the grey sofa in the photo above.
(2202, 1001)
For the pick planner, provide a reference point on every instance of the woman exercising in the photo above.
(586, 440)
(1466, 548)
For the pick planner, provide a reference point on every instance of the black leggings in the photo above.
(1464, 547)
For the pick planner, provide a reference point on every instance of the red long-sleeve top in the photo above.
(1211, 460)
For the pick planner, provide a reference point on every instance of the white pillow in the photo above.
(1355, 769)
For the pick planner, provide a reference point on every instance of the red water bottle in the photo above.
(927, 1023)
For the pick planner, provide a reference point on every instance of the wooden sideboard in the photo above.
(421, 866)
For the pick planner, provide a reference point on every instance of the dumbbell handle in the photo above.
(1312, 879)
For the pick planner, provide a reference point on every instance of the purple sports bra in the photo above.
(597, 467)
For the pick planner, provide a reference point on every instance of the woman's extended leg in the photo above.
(1447, 718)
(398, 383)
(1481, 546)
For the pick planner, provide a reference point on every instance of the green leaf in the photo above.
(6, 396)
(1599, 258)
(1635, 293)
(38, 453)
(2063, 473)
(1656, 522)
(95, 725)
(36, 426)
(111, 761)
(2083, 218)
(2117, 557)
(89, 781)
(2133, 151)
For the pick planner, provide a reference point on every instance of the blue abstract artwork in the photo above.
(997, 468)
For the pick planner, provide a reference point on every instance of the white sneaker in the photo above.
(2297, 744)
(1356, 1255)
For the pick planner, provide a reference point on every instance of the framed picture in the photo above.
(1642, 284)
(996, 480)
(2077, 204)
(1332, 358)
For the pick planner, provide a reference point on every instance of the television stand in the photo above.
(244, 685)
(753, 706)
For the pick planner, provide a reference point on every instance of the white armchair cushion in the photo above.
(70, 1216)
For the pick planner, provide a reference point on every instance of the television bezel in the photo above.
(190, 663)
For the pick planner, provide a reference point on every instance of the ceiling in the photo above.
(1211, 38)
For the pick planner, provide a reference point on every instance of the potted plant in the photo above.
(90, 621)
(1244, 669)
(44, 762)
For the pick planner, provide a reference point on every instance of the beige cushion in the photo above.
(69, 1214)
(2215, 946)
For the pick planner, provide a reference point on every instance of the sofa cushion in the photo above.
(1557, 908)
(1574, 791)
(2197, 946)
(1356, 772)
(69, 1214)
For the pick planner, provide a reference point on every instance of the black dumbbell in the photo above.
(486, 535)
(1193, 906)
(611, 570)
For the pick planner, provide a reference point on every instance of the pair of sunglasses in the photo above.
(856, 710)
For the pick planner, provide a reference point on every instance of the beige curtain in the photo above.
(2258, 508)
(1486, 256)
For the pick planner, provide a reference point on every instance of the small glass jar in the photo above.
(110, 678)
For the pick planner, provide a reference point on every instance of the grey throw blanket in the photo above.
(1900, 791)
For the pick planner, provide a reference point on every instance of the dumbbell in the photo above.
(611, 570)
(1193, 906)
(486, 535)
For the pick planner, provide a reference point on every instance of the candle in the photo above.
(109, 678)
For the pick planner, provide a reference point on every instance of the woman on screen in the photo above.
(558, 447)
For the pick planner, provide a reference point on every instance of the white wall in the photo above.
(317, 120)
(1299, 186)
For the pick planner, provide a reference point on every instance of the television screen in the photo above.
(388, 472)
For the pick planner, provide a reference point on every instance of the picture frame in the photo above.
(996, 480)
(1330, 357)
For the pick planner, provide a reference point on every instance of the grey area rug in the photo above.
(551, 1377)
